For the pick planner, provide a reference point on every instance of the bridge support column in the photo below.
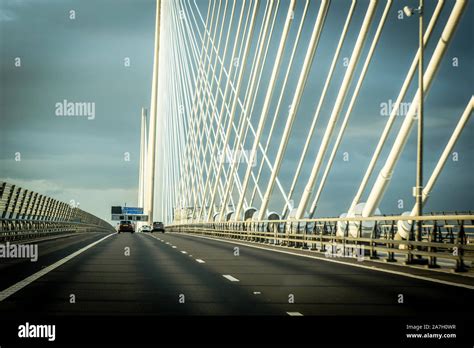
(150, 186)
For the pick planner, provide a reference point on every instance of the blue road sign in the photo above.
(132, 210)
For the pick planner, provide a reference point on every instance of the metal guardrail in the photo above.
(25, 215)
(446, 237)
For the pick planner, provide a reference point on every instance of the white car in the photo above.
(145, 228)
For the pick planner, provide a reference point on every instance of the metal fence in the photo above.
(25, 215)
(446, 237)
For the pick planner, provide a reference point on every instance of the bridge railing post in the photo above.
(460, 242)
(433, 238)
(373, 236)
(390, 246)
(409, 245)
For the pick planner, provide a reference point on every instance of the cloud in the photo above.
(7, 16)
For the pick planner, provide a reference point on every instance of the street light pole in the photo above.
(419, 162)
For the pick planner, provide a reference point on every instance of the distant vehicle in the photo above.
(145, 228)
(158, 226)
(126, 226)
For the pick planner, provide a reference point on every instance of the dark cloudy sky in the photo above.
(83, 60)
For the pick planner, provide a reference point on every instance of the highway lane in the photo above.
(151, 279)
(13, 270)
(171, 274)
(319, 287)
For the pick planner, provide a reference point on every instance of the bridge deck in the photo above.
(213, 281)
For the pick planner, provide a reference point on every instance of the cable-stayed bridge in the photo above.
(236, 80)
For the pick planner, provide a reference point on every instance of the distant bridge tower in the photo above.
(143, 158)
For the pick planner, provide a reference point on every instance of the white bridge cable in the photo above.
(190, 135)
(186, 190)
(260, 148)
(308, 60)
(220, 115)
(200, 134)
(320, 104)
(248, 116)
(186, 83)
(396, 106)
(263, 151)
(250, 95)
(355, 94)
(244, 122)
(186, 187)
(202, 114)
(446, 153)
(213, 112)
(385, 174)
(210, 98)
(341, 95)
(221, 128)
(225, 145)
(242, 63)
(171, 132)
(198, 137)
(264, 111)
(277, 111)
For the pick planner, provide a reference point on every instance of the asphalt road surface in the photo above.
(171, 274)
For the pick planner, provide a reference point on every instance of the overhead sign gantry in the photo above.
(128, 213)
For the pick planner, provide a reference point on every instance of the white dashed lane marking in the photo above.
(229, 277)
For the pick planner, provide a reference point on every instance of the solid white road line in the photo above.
(372, 268)
(294, 314)
(20, 285)
(229, 277)
(200, 261)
